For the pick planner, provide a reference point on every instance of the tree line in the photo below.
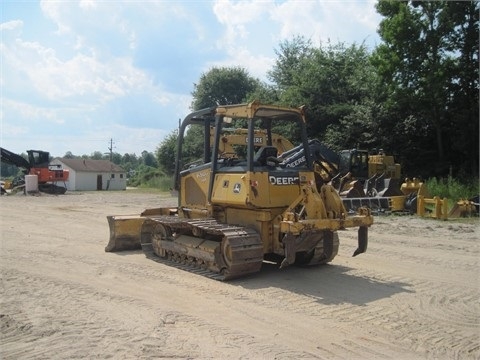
(415, 95)
(140, 168)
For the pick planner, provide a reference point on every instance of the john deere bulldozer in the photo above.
(236, 211)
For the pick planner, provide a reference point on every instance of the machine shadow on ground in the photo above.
(330, 284)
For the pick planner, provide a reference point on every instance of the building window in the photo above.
(113, 176)
(121, 176)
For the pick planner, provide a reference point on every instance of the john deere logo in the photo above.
(283, 180)
(236, 188)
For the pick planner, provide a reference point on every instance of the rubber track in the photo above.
(244, 241)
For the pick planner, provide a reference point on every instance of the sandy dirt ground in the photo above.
(414, 294)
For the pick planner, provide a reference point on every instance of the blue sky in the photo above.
(75, 74)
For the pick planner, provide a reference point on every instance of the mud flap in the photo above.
(362, 240)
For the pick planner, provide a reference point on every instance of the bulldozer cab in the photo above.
(252, 177)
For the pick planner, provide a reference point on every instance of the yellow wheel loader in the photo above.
(234, 212)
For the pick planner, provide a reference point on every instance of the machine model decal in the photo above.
(202, 176)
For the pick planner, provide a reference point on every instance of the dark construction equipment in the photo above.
(38, 164)
(234, 212)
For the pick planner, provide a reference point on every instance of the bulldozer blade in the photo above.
(463, 208)
(125, 233)
(362, 240)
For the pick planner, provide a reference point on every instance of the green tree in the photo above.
(222, 86)
(148, 159)
(97, 155)
(165, 152)
(69, 155)
(463, 109)
(117, 158)
(218, 86)
(265, 93)
(337, 83)
(130, 163)
(429, 62)
(290, 57)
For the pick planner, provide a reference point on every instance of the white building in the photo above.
(86, 174)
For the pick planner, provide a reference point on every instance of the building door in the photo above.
(99, 182)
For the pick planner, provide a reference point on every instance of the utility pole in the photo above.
(111, 149)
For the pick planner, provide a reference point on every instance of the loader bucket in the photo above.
(125, 233)
(391, 187)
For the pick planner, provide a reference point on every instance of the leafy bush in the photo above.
(453, 189)
(163, 183)
(150, 177)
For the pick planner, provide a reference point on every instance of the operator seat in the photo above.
(263, 154)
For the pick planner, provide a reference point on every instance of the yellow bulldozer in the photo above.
(236, 211)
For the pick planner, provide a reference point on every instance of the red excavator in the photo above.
(49, 176)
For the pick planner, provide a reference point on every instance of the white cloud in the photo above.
(81, 76)
(292, 22)
(34, 114)
(52, 9)
(11, 25)
(13, 130)
(88, 4)
(236, 17)
(344, 21)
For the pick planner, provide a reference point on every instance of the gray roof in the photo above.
(89, 165)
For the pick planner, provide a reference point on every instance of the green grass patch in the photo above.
(162, 183)
(453, 189)
(151, 178)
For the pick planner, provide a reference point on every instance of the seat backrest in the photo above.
(264, 153)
